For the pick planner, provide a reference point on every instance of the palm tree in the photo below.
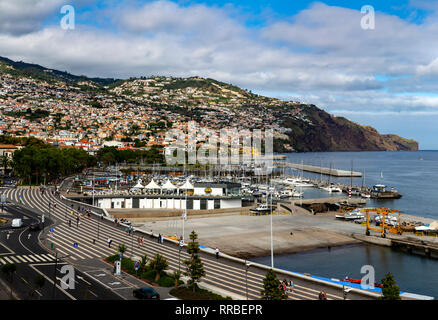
(9, 269)
(143, 262)
(176, 276)
(5, 162)
(158, 264)
(122, 248)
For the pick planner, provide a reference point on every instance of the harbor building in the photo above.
(197, 196)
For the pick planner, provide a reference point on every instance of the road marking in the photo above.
(14, 259)
(35, 257)
(8, 260)
(51, 281)
(2, 261)
(20, 258)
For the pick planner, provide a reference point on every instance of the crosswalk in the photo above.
(89, 240)
(30, 258)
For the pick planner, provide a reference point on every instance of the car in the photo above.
(146, 293)
(35, 226)
(17, 223)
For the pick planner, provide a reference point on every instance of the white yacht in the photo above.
(263, 208)
(291, 193)
(352, 215)
(304, 183)
(332, 188)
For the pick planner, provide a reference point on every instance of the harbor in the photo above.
(305, 209)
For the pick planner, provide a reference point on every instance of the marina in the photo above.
(308, 214)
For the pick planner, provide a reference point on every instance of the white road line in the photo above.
(36, 258)
(15, 259)
(20, 258)
(47, 257)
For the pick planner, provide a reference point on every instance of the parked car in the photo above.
(17, 223)
(146, 293)
(35, 226)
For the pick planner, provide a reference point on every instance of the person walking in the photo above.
(109, 242)
(217, 253)
(77, 221)
(291, 286)
(69, 222)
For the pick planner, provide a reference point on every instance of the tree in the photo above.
(271, 287)
(158, 264)
(390, 290)
(122, 248)
(176, 276)
(5, 162)
(143, 262)
(195, 267)
(9, 269)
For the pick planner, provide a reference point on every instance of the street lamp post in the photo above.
(179, 255)
(132, 241)
(247, 265)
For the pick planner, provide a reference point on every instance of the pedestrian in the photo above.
(322, 296)
(115, 221)
(101, 216)
(69, 222)
(291, 286)
(152, 234)
(159, 238)
(109, 242)
(77, 221)
(142, 240)
(217, 253)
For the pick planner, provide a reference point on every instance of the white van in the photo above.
(17, 223)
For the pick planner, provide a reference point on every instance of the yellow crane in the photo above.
(383, 212)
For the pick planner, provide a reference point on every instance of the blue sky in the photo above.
(310, 51)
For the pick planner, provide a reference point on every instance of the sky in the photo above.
(323, 52)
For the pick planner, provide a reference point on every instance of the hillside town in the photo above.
(134, 113)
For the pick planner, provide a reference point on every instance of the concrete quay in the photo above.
(322, 170)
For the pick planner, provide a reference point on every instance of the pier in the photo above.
(322, 170)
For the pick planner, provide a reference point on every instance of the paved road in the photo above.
(21, 247)
(91, 236)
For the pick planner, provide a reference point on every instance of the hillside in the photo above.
(44, 98)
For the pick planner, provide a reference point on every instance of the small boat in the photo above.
(299, 182)
(365, 195)
(352, 215)
(332, 188)
(380, 192)
(389, 220)
(358, 281)
(262, 209)
(291, 193)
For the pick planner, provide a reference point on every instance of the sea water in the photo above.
(415, 176)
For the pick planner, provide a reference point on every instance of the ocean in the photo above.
(415, 175)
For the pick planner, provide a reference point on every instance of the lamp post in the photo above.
(247, 265)
(181, 244)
